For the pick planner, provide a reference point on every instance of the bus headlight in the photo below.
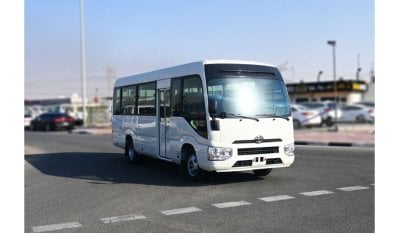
(219, 154)
(289, 149)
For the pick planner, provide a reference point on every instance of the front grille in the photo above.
(254, 141)
(274, 161)
(243, 163)
(262, 150)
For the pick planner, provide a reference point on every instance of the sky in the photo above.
(132, 37)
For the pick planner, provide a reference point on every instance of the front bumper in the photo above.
(248, 162)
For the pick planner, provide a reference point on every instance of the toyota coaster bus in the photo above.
(211, 115)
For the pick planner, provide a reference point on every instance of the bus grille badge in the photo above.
(259, 139)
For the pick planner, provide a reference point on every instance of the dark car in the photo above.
(53, 121)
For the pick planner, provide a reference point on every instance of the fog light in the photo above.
(289, 149)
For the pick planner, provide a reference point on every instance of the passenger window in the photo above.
(147, 99)
(128, 103)
(193, 109)
(176, 96)
(117, 101)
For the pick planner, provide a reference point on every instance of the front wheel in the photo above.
(191, 166)
(262, 172)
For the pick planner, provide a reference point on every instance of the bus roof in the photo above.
(180, 70)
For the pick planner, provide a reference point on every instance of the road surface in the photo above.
(82, 183)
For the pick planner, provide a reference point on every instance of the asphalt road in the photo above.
(82, 183)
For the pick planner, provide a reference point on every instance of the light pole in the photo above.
(319, 76)
(358, 67)
(83, 63)
(333, 44)
(358, 73)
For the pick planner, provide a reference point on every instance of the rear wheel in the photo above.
(130, 151)
(296, 124)
(360, 119)
(262, 172)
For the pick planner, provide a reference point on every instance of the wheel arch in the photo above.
(185, 149)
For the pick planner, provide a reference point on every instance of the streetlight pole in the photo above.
(319, 76)
(333, 44)
(83, 63)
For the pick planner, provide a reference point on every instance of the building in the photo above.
(348, 91)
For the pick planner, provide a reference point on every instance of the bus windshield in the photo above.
(248, 94)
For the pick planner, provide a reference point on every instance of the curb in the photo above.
(345, 144)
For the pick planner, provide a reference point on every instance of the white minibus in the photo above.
(211, 115)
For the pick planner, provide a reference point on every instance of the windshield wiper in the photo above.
(274, 116)
(224, 115)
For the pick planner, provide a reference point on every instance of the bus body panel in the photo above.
(118, 133)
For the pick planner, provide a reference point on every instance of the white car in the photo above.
(370, 106)
(303, 116)
(357, 113)
(326, 110)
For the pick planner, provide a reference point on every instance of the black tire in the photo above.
(47, 127)
(191, 167)
(262, 172)
(130, 152)
(360, 119)
(296, 124)
(329, 122)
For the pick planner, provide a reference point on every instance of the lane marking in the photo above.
(54, 227)
(180, 211)
(122, 218)
(316, 193)
(352, 188)
(373, 184)
(276, 198)
(231, 204)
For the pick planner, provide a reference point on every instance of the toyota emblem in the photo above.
(259, 139)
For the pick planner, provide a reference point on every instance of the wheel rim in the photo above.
(131, 152)
(192, 165)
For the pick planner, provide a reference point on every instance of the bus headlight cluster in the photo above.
(219, 154)
(289, 149)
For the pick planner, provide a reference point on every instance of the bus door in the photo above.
(164, 112)
(163, 102)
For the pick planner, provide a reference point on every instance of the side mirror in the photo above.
(213, 106)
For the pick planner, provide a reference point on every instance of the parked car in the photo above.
(52, 121)
(305, 117)
(27, 120)
(370, 106)
(326, 110)
(357, 113)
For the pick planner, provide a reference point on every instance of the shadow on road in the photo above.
(110, 168)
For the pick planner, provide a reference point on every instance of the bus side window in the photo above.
(117, 101)
(176, 87)
(193, 108)
(147, 99)
(128, 101)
